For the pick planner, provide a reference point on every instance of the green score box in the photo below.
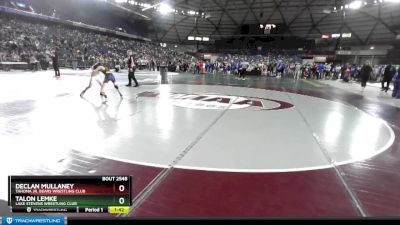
(69, 200)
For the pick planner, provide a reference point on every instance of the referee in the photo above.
(54, 59)
(132, 68)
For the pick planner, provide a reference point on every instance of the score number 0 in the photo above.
(121, 200)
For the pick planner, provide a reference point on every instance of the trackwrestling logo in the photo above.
(218, 101)
(33, 220)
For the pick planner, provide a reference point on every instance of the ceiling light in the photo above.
(355, 5)
(165, 9)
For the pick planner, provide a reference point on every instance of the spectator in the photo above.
(387, 77)
(20, 40)
(365, 74)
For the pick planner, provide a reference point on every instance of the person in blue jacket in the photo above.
(321, 69)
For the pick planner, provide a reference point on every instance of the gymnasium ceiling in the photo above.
(372, 23)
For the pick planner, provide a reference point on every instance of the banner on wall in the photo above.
(207, 56)
(308, 61)
(320, 59)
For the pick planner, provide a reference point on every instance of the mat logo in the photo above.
(218, 101)
(214, 101)
(9, 220)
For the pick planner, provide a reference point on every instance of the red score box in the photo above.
(79, 186)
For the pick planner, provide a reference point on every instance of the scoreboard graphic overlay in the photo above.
(70, 194)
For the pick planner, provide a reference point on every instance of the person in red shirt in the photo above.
(346, 74)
